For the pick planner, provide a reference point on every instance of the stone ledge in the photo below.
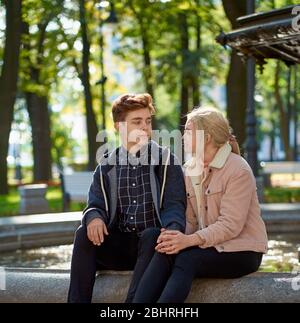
(51, 286)
(33, 231)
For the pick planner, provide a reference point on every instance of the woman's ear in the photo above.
(207, 138)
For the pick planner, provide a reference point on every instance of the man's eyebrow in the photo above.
(138, 118)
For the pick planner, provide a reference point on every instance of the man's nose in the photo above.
(144, 126)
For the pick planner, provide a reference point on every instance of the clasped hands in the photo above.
(171, 242)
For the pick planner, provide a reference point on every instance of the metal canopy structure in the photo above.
(261, 36)
(266, 35)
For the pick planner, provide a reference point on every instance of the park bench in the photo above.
(282, 167)
(75, 187)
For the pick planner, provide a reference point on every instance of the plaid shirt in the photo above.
(135, 207)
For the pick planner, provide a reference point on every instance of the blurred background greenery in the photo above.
(51, 100)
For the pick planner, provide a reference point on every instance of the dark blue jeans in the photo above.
(168, 279)
(120, 251)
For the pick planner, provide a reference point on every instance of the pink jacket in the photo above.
(223, 207)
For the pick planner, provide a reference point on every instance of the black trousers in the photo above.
(168, 279)
(119, 251)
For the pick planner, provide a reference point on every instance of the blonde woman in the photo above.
(225, 236)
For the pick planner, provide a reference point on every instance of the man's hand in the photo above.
(96, 230)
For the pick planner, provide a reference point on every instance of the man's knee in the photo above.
(81, 235)
(150, 234)
(148, 239)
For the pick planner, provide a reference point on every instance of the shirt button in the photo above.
(133, 184)
(131, 218)
(133, 229)
(134, 202)
(133, 167)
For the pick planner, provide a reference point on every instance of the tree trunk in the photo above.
(196, 77)
(147, 70)
(91, 122)
(8, 82)
(237, 76)
(272, 141)
(289, 107)
(284, 126)
(39, 115)
(296, 110)
(184, 42)
(273, 132)
(147, 61)
(41, 137)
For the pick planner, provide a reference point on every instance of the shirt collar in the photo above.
(139, 157)
(221, 156)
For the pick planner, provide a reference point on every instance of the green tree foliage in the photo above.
(179, 66)
(277, 89)
(62, 145)
(172, 49)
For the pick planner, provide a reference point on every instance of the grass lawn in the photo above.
(282, 195)
(9, 204)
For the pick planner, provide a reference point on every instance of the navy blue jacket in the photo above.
(167, 187)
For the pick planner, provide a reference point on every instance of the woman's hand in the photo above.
(171, 242)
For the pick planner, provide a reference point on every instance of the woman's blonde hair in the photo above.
(213, 122)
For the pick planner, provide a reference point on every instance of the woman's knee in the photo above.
(186, 259)
(162, 262)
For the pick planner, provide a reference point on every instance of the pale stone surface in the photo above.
(33, 199)
(32, 231)
(44, 286)
(58, 228)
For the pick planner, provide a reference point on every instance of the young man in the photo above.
(137, 190)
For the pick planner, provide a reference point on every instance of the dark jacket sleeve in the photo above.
(95, 203)
(174, 200)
